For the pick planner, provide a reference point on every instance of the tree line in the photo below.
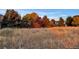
(12, 19)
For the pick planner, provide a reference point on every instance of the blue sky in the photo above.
(51, 13)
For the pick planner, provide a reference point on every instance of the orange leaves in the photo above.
(34, 20)
(72, 21)
(34, 16)
(52, 23)
(36, 25)
(46, 22)
(75, 20)
(31, 17)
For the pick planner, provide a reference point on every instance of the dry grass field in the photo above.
(39, 38)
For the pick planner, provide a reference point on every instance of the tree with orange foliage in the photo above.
(37, 23)
(75, 21)
(11, 18)
(33, 19)
(61, 22)
(52, 23)
(45, 22)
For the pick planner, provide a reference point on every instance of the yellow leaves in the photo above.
(32, 17)
(27, 17)
(75, 20)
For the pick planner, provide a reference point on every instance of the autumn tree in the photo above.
(61, 22)
(11, 18)
(52, 23)
(46, 22)
(32, 19)
(37, 23)
(75, 21)
(11, 15)
(69, 21)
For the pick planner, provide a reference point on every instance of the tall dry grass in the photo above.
(56, 37)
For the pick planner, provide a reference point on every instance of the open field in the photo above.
(56, 37)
